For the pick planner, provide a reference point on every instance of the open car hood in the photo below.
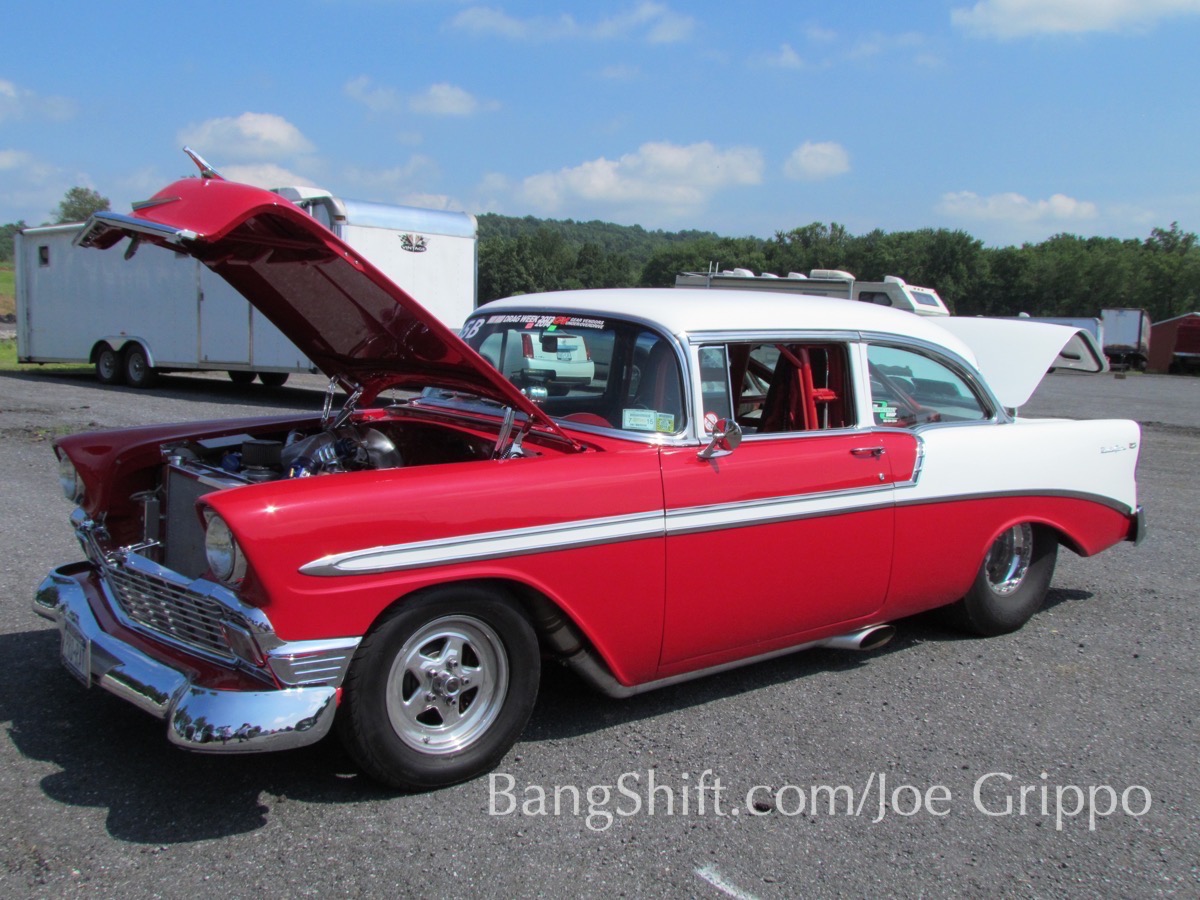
(350, 319)
(1014, 355)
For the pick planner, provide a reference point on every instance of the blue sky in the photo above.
(1011, 119)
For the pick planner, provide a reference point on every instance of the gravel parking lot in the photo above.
(1060, 760)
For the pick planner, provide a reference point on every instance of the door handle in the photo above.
(868, 451)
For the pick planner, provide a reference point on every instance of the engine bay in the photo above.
(321, 450)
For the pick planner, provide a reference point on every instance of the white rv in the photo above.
(892, 291)
(133, 316)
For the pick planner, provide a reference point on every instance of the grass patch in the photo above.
(8, 362)
(8, 292)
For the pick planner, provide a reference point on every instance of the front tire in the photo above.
(138, 373)
(440, 689)
(1011, 583)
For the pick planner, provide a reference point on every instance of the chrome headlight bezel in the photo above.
(225, 559)
(69, 480)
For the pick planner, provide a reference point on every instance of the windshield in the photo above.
(591, 371)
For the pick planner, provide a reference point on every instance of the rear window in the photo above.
(910, 388)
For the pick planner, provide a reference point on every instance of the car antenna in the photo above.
(206, 171)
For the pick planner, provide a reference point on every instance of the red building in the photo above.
(1175, 344)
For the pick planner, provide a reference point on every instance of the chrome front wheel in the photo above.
(440, 688)
(447, 684)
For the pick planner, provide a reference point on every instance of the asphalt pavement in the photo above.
(1063, 760)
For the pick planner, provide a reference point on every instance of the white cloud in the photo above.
(784, 58)
(813, 161)
(398, 184)
(1021, 18)
(14, 159)
(877, 43)
(376, 99)
(249, 136)
(17, 102)
(437, 100)
(446, 100)
(668, 178)
(265, 175)
(620, 72)
(1014, 208)
(652, 22)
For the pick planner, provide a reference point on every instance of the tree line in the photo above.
(1065, 275)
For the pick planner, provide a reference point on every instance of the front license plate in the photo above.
(77, 653)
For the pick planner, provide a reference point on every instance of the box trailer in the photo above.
(1126, 337)
(132, 316)
(892, 291)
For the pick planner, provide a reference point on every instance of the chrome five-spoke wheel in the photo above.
(441, 687)
(447, 684)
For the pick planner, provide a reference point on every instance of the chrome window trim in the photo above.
(698, 340)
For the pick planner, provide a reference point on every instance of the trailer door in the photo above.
(224, 322)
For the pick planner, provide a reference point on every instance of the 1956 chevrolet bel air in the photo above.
(400, 567)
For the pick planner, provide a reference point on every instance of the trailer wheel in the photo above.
(138, 373)
(241, 377)
(108, 365)
(273, 379)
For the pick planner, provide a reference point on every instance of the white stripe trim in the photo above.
(586, 532)
(777, 509)
(489, 545)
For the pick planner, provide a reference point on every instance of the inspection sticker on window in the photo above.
(647, 420)
(883, 411)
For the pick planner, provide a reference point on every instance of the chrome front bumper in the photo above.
(197, 717)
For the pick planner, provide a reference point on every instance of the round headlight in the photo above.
(68, 478)
(225, 558)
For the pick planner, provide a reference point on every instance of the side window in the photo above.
(653, 397)
(787, 387)
(714, 384)
(910, 388)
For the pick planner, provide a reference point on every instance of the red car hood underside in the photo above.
(345, 315)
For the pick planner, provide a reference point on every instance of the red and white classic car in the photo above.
(402, 566)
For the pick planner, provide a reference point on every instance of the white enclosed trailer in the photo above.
(162, 312)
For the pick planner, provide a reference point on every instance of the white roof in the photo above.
(684, 311)
(1013, 355)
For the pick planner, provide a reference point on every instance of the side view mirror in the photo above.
(726, 435)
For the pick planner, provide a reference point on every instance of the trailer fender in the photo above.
(118, 343)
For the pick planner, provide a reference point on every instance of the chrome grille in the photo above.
(169, 609)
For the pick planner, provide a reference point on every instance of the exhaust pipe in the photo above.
(868, 639)
(564, 641)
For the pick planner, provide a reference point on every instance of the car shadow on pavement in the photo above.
(567, 707)
(106, 754)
